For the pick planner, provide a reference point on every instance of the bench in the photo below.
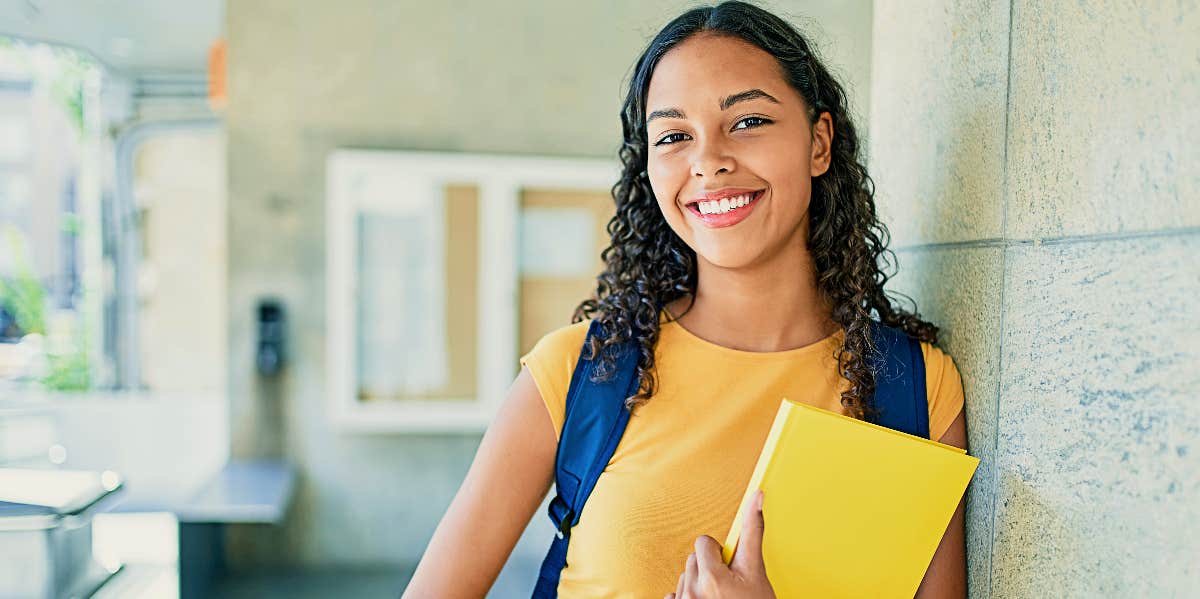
(242, 492)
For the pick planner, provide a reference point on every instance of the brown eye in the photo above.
(671, 136)
(752, 122)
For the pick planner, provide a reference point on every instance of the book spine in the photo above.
(760, 471)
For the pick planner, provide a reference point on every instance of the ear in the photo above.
(822, 145)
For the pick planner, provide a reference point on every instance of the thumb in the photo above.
(748, 556)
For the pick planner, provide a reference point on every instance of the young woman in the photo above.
(746, 264)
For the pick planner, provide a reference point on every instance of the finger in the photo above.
(679, 586)
(708, 555)
(670, 596)
(748, 556)
(689, 577)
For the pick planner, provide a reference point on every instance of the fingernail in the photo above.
(758, 501)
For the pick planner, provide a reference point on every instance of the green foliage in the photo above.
(23, 295)
(67, 86)
(72, 224)
(68, 372)
(66, 79)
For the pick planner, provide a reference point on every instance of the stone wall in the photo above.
(1038, 164)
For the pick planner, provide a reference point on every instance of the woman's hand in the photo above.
(707, 577)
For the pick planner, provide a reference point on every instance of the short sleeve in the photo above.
(551, 363)
(944, 389)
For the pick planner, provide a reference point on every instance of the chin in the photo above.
(728, 258)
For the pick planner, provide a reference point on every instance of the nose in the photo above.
(711, 159)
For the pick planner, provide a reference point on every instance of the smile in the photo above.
(725, 212)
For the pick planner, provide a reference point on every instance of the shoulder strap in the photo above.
(900, 395)
(595, 420)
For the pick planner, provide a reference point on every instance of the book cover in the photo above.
(851, 508)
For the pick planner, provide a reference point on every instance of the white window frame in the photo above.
(500, 180)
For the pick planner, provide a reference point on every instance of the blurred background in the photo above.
(237, 361)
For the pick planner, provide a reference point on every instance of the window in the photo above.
(50, 250)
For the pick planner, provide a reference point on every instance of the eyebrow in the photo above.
(726, 102)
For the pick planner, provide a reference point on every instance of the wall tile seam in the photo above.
(995, 486)
(995, 483)
(1002, 243)
(1004, 193)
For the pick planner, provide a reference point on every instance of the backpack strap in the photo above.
(900, 395)
(595, 420)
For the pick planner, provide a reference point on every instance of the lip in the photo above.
(728, 219)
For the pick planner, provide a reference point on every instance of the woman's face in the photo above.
(723, 123)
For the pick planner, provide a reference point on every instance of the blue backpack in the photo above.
(596, 417)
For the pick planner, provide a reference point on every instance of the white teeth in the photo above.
(724, 204)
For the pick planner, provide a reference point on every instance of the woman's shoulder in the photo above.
(564, 339)
(551, 363)
(936, 355)
(944, 389)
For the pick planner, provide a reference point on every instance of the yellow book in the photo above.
(851, 509)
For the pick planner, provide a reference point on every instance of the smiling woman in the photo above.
(746, 264)
(754, 139)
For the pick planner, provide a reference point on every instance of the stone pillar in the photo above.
(1037, 163)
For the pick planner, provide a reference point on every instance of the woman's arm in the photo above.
(507, 481)
(946, 577)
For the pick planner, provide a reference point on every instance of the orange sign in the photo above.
(216, 75)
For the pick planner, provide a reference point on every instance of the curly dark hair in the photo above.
(647, 265)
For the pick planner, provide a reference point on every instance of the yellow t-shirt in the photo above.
(687, 455)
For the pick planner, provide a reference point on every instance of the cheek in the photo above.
(788, 178)
(668, 208)
(666, 184)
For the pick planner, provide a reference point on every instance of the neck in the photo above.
(769, 307)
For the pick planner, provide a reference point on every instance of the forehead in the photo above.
(705, 67)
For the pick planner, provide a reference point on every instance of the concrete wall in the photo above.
(1038, 165)
(179, 185)
(540, 77)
